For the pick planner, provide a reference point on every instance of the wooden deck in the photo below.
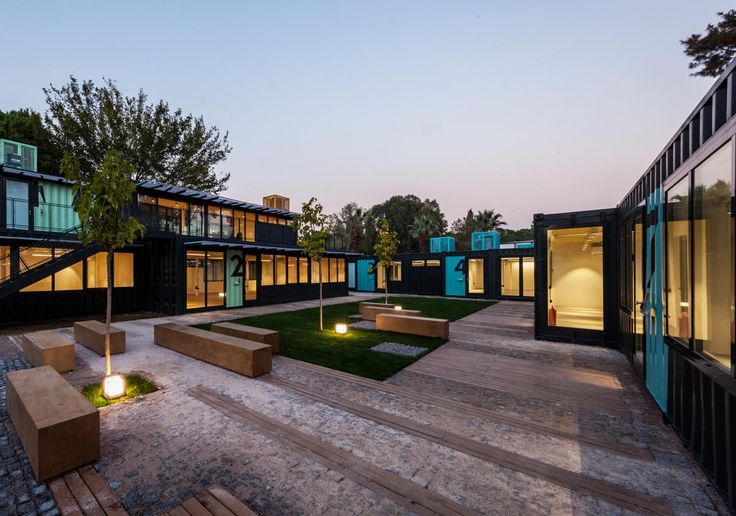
(215, 501)
(83, 491)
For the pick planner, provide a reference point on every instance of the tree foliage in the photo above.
(713, 50)
(26, 126)
(312, 230)
(102, 203)
(89, 121)
(386, 246)
(347, 226)
(401, 212)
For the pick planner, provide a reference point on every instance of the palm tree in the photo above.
(423, 226)
(489, 220)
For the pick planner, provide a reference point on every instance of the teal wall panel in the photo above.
(366, 278)
(55, 211)
(234, 274)
(455, 276)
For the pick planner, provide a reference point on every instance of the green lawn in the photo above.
(301, 339)
(134, 386)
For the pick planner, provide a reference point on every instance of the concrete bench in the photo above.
(91, 334)
(412, 325)
(370, 312)
(262, 335)
(59, 429)
(48, 348)
(364, 304)
(242, 356)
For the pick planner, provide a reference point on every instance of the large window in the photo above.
(239, 229)
(315, 271)
(713, 256)
(69, 278)
(575, 277)
(325, 270)
(196, 220)
(303, 269)
(476, 276)
(169, 215)
(213, 222)
(341, 270)
(293, 271)
(509, 276)
(4, 262)
(333, 270)
(678, 259)
(215, 278)
(122, 270)
(31, 257)
(195, 279)
(281, 270)
(250, 227)
(97, 271)
(251, 276)
(527, 272)
(227, 223)
(395, 273)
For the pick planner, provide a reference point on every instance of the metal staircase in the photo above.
(24, 275)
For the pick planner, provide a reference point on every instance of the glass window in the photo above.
(227, 223)
(417, 263)
(169, 215)
(31, 257)
(293, 271)
(678, 259)
(380, 276)
(325, 270)
(272, 220)
(250, 227)
(433, 263)
(69, 278)
(251, 275)
(281, 270)
(195, 279)
(122, 270)
(4, 262)
(196, 220)
(239, 229)
(303, 269)
(476, 276)
(713, 256)
(262, 218)
(341, 270)
(395, 274)
(575, 276)
(333, 270)
(510, 277)
(213, 222)
(315, 271)
(527, 271)
(266, 269)
(97, 271)
(215, 278)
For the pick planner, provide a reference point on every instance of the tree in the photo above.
(89, 121)
(311, 232)
(462, 229)
(488, 220)
(348, 225)
(102, 204)
(26, 126)
(423, 227)
(517, 235)
(400, 211)
(385, 249)
(711, 52)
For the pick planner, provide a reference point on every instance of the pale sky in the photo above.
(523, 107)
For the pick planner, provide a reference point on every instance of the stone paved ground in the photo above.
(160, 449)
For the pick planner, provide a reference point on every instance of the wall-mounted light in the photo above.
(221, 294)
(341, 328)
(113, 386)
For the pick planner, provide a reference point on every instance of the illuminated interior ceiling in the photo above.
(591, 238)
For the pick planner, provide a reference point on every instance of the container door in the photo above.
(17, 207)
(652, 306)
(455, 276)
(366, 276)
(235, 273)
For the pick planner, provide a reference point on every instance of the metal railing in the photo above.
(8, 271)
(46, 216)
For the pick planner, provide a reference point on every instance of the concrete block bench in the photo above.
(59, 429)
(364, 304)
(370, 312)
(48, 348)
(412, 325)
(91, 334)
(262, 335)
(242, 356)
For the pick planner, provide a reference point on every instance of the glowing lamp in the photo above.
(221, 294)
(397, 307)
(341, 328)
(113, 386)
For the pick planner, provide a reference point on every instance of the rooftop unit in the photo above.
(277, 201)
(19, 155)
(484, 240)
(441, 244)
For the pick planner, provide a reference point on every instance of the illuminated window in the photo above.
(575, 275)
(395, 274)
(417, 263)
(195, 279)
(4, 262)
(33, 257)
(250, 227)
(476, 276)
(303, 269)
(239, 229)
(292, 270)
(333, 270)
(678, 259)
(251, 275)
(227, 223)
(315, 271)
(341, 270)
(509, 276)
(272, 220)
(262, 218)
(527, 271)
(282, 222)
(380, 276)
(123, 271)
(215, 278)
(280, 270)
(433, 263)
(266, 269)
(213, 222)
(325, 270)
(196, 220)
(713, 256)
(169, 215)
(97, 271)
(70, 278)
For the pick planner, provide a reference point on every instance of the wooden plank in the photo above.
(402, 491)
(84, 497)
(613, 493)
(213, 504)
(229, 501)
(193, 507)
(178, 511)
(104, 495)
(68, 506)
(484, 413)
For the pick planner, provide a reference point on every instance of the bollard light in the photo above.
(397, 307)
(113, 386)
(341, 328)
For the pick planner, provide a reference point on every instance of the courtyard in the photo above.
(492, 421)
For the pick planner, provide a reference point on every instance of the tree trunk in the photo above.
(321, 324)
(108, 314)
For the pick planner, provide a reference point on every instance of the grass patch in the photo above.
(300, 337)
(134, 386)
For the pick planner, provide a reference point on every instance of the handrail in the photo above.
(45, 243)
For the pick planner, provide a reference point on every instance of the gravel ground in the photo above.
(394, 348)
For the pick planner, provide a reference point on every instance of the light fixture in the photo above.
(341, 328)
(221, 294)
(113, 386)
(397, 307)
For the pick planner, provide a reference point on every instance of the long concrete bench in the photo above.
(59, 429)
(262, 335)
(370, 312)
(364, 304)
(48, 348)
(412, 325)
(91, 334)
(242, 356)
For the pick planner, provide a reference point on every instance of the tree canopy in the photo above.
(386, 245)
(88, 121)
(312, 230)
(401, 211)
(26, 126)
(715, 48)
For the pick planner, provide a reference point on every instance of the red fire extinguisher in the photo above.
(552, 316)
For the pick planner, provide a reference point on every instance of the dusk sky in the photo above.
(524, 107)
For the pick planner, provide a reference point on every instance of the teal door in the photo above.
(652, 307)
(234, 275)
(366, 278)
(455, 276)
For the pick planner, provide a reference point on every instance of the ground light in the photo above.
(113, 386)
(341, 328)
(397, 307)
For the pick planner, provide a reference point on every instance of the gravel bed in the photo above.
(395, 348)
